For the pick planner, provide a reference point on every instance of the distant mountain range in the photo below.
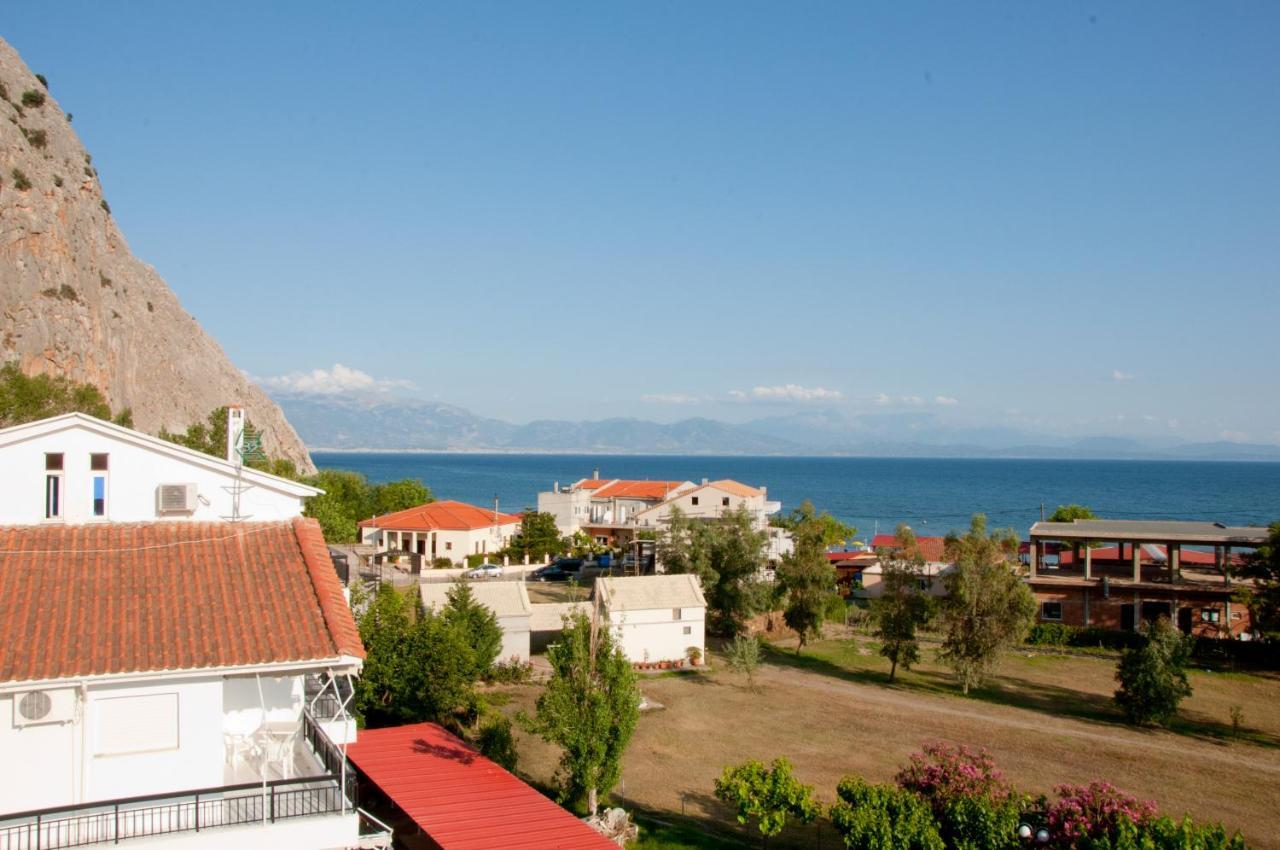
(380, 423)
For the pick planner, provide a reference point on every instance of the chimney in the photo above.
(235, 432)
(595, 474)
(555, 488)
(705, 482)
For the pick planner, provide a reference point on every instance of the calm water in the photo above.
(933, 496)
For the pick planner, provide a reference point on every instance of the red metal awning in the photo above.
(460, 798)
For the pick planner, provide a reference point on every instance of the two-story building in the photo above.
(447, 529)
(605, 508)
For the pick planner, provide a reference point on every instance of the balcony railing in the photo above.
(113, 821)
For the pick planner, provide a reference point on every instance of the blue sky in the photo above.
(1062, 218)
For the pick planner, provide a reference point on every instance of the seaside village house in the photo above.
(509, 602)
(866, 569)
(446, 529)
(655, 618)
(613, 511)
(1118, 574)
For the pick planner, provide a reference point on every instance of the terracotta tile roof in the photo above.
(592, 483)
(439, 516)
(932, 549)
(88, 600)
(655, 491)
(459, 798)
(736, 488)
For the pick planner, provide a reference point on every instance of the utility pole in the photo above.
(1042, 511)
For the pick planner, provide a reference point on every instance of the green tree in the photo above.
(495, 741)
(988, 607)
(1263, 598)
(1071, 513)
(538, 537)
(381, 691)
(834, 532)
(478, 623)
(882, 817)
(1153, 676)
(28, 398)
(347, 497)
(727, 554)
(399, 495)
(210, 437)
(767, 795)
(589, 709)
(903, 606)
(744, 657)
(806, 576)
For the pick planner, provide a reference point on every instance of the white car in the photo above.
(484, 571)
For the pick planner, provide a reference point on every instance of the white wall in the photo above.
(711, 504)
(655, 635)
(515, 637)
(454, 544)
(135, 471)
(570, 509)
(324, 832)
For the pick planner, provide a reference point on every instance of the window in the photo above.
(98, 466)
(694, 501)
(136, 724)
(1051, 611)
(725, 501)
(448, 546)
(1210, 615)
(98, 462)
(675, 613)
(53, 485)
(688, 630)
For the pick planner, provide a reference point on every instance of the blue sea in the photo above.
(933, 496)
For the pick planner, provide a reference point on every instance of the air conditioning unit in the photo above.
(56, 705)
(176, 498)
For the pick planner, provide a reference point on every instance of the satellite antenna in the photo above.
(243, 444)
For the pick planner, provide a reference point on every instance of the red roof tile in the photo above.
(440, 516)
(648, 490)
(87, 600)
(462, 800)
(932, 549)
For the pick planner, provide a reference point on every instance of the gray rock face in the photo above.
(75, 302)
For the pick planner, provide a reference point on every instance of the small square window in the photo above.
(98, 462)
(675, 613)
(725, 501)
(688, 630)
(53, 462)
(1051, 611)
(448, 547)
(693, 499)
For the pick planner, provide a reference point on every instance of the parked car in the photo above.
(484, 571)
(551, 572)
(571, 565)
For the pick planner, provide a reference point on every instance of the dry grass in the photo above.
(1046, 719)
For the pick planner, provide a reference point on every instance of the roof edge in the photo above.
(324, 581)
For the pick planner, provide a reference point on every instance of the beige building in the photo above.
(447, 529)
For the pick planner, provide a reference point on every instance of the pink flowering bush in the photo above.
(945, 772)
(1094, 811)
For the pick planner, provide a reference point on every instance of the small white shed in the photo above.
(655, 618)
(509, 602)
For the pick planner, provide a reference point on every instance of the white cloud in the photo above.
(1234, 436)
(340, 380)
(1117, 375)
(787, 392)
(884, 400)
(946, 400)
(670, 398)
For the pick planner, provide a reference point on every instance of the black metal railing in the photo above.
(331, 758)
(113, 821)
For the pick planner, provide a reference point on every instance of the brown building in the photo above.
(1150, 569)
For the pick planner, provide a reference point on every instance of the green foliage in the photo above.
(835, 609)
(42, 80)
(538, 537)
(26, 398)
(35, 138)
(107, 208)
(726, 553)
(511, 671)
(210, 436)
(477, 622)
(1263, 598)
(415, 669)
(833, 531)
(399, 495)
(1050, 634)
(34, 98)
(20, 181)
(805, 575)
(1153, 677)
(900, 610)
(767, 795)
(882, 817)
(987, 607)
(1165, 833)
(496, 742)
(473, 561)
(744, 657)
(1070, 513)
(589, 709)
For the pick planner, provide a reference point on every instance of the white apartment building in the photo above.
(603, 506)
(446, 529)
(77, 469)
(175, 685)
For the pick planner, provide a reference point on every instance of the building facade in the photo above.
(448, 529)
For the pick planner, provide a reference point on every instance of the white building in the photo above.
(174, 685)
(509, 602)
(78, 469)
(447, 529)
(654, 618)
(603, 507)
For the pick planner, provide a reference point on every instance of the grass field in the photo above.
(1046, 719)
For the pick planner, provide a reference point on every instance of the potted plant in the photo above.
(694, 655)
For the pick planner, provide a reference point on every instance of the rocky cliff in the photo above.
(75, 302)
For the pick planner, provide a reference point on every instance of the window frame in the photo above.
(1044, 610)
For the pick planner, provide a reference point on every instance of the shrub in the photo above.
(511, 671)
(834, 609)
(1153, 677)
(1086, 813)
(103, 203)
(31, 97)
(20, 181)
(770, 795)
(1051, 634)
(42, 80)
(975, 809)
(441, 563)
(882, 817)
(1165, 833)
(496, 742)
(744, 656)
(476, 560)
(35, 138)
(4, 93)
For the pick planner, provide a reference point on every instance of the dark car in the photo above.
(571, 565)
(553, 572)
